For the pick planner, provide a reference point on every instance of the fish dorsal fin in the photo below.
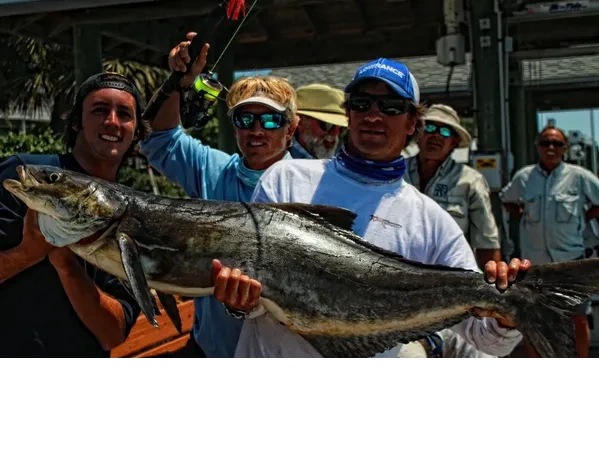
(339, 217)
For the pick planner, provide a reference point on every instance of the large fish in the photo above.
(345, 296)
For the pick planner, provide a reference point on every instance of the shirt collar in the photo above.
(559, 168)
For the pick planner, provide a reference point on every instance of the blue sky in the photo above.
(572, 120)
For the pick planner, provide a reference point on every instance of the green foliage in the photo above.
(44, 141)
(35, 74)
(139, 179)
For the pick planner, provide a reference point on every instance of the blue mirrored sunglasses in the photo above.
(268, 121)
(446, 132)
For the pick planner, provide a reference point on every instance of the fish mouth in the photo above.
(26, 181)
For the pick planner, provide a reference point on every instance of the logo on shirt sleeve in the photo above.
(384, 222)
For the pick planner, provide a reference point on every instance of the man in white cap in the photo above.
(462, 191)
(322, 120)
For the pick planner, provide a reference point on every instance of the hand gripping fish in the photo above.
(343, 295)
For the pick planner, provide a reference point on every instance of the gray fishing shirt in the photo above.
(553, 224)
(464, 193)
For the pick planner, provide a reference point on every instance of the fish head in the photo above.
(71, 206)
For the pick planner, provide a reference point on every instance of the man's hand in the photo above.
(515, 210)
(502, 274)
(178, 59)
(234, 289)
(32, 237)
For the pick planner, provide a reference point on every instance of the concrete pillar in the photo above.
(489, 98)
(519, 146)
(87, 50)
(489, 68)
(532, 129)
(518, 118)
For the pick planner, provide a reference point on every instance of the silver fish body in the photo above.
(345, 296)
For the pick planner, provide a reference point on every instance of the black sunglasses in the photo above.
(549, 142)
(326, 126)
(389, 105)
(268, 121)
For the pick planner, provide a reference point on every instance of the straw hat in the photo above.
(322, 102)
(448, 116)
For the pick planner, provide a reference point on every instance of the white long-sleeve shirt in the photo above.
(394, 216)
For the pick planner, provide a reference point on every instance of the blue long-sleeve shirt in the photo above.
(211, 174)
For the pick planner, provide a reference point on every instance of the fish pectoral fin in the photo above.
(136, 277)
(169, 303)
(129, 290)
(339, 217)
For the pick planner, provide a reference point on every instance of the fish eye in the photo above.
(54, 177)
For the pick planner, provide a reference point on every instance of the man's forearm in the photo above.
(18, 259)
(101, 314)
(592, 213)
(168, 115)
(514, 210)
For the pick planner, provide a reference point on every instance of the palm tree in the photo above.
(37, 75)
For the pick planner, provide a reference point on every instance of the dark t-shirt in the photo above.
(38, 319)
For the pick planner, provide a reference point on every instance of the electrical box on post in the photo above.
(451, 50)
(490, 166)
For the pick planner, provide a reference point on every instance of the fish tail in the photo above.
(548, 297)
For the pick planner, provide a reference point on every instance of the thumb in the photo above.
(189, 36)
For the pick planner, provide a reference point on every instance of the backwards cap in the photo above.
(394, 74)
(108, 80)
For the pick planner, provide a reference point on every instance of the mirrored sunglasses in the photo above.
(446, 132)
(268, 121)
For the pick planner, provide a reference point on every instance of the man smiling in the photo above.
(462, 191)
(55, 304)
(322, 120)
(264, 115)
(367, 177)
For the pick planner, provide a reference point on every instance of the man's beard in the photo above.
(317, 147)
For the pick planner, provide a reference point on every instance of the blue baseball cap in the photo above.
(396, 75)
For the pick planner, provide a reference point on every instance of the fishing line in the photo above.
(210, 72)
(206, 90)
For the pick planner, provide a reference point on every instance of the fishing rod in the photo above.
(206, 89)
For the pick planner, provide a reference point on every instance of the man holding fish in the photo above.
(55, 304)
(384, 116)
(367, 177)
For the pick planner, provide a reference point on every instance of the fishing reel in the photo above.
(197, 100)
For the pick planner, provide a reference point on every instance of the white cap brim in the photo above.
(260, 101)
